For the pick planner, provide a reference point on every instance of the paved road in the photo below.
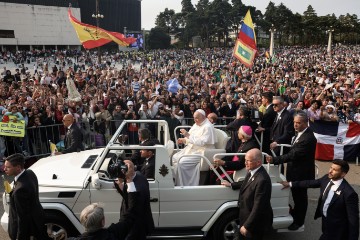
(312, 227)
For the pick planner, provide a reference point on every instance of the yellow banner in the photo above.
(12, 129)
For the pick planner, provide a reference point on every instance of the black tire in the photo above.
(225, 226)
(57, 224)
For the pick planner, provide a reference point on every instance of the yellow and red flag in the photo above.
(92, 36)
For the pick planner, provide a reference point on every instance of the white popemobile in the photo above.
(69, 182)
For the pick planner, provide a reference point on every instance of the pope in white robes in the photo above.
(200, 137)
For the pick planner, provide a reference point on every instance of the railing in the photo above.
(35, 143)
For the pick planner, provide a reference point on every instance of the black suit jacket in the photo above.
(240, 164)
(26, 215)
(144, 223)
(342, 221)
(73, 140)
(255, 212)
(267, 121)
(116, 231)
(148, 168)
(136, 156)
(233, 144)
(283, 130)
(227, 112)
(301, 158)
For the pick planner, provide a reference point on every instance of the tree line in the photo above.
(217, 23)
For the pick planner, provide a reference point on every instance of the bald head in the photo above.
(212, 118)
(253, 159)
(68, 119)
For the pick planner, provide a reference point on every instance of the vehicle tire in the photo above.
(58, 226)
(224, 228)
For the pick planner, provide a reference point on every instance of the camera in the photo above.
(118, 169)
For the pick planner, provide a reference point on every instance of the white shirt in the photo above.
(252, 172)
(131, 187)
(279, 114)
(331, 194)
(17, 176)
(298, 135)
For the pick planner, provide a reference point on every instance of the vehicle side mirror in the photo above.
(95, 181)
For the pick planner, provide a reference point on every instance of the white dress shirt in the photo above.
(333, 189)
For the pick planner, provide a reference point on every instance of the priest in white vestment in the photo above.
(200, 137)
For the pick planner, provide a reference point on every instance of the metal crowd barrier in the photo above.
(95, 135)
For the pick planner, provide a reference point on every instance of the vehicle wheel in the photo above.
(58, 227)
(227, 225)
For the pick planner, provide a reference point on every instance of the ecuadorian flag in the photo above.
(244, 53)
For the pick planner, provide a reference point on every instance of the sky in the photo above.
(151, 8)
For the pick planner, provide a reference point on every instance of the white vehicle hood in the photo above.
(64, 170)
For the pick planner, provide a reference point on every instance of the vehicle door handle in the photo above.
(153, 199)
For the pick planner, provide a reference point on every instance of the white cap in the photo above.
(202, 112)
(130, 103)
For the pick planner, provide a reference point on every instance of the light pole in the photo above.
(97, 16)
(255, 26)
(329, 31)
(272, 31)
(143, 34)
(125, 31)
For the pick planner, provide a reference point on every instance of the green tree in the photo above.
(237, 13)
(311, 30)
(220, 20)
(203, 24)
(158, 39)
(270, 15)
(284, 18)
(165, 20)
(188, 20)
(347, 25)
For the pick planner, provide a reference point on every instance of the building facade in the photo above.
(41, 24)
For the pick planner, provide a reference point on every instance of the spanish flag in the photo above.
(92, 37)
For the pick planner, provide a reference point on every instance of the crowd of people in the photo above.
(173, 84)
(198, 87)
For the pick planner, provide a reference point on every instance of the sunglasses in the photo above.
(276, 105)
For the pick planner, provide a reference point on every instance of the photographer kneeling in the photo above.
(93, 219)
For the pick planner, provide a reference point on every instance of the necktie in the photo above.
(294, 138)
(247, 177)
(326, 192)
(277, 118)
